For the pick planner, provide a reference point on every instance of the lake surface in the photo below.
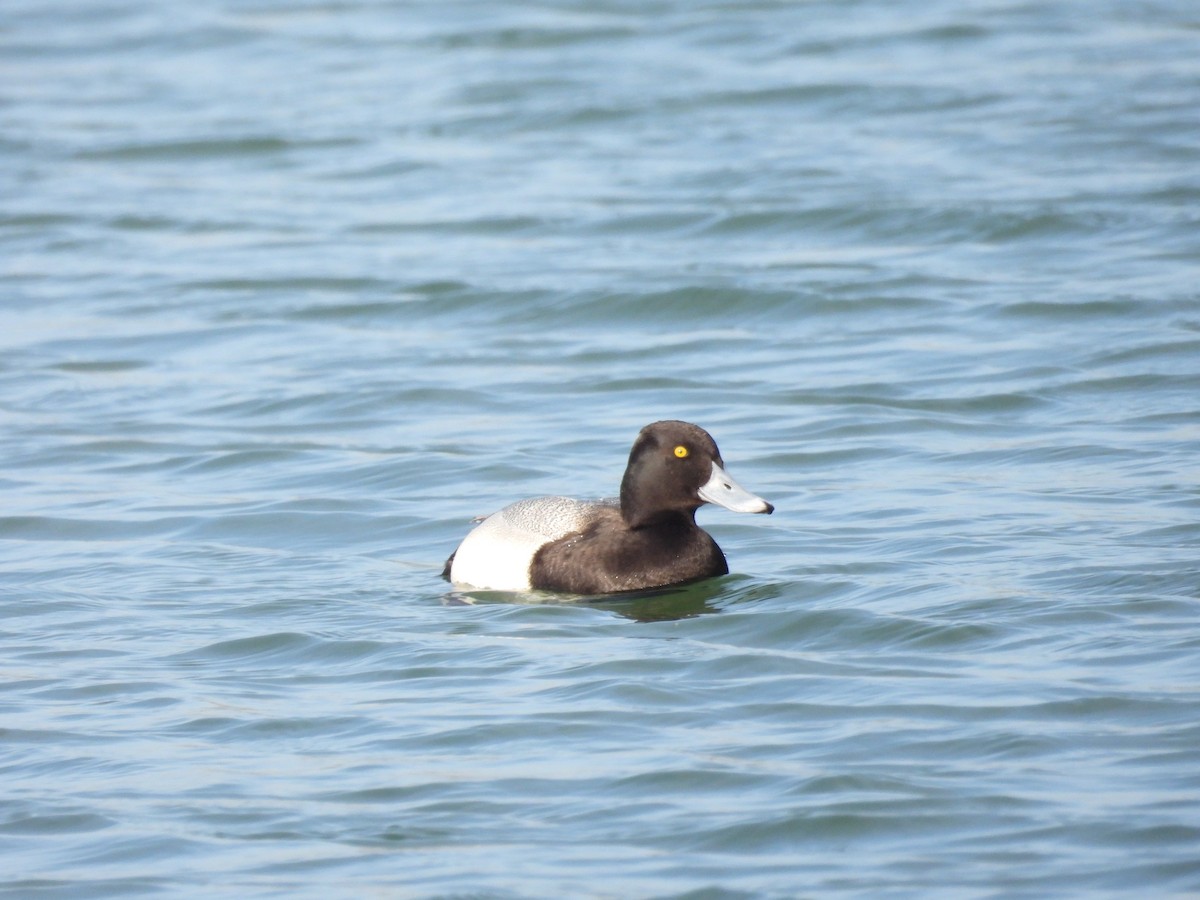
(293, 290)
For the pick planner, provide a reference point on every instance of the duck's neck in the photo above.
(657, 519)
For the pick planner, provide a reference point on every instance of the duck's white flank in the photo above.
(496, 554)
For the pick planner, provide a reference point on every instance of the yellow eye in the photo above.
(681, 451)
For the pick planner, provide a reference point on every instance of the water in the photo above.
(294, 290)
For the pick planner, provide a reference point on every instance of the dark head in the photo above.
(674, 468)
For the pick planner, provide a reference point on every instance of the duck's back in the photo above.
(497, 554)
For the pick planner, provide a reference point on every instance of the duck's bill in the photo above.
(724, 491)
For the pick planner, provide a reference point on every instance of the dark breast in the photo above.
(608, 557)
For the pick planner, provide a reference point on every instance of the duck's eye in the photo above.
(681, 451)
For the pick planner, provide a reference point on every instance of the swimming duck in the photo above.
(647, 538)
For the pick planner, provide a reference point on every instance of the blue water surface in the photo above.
(294, 290)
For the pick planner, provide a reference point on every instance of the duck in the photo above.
(644, 539)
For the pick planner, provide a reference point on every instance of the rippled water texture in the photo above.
(293, 290)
